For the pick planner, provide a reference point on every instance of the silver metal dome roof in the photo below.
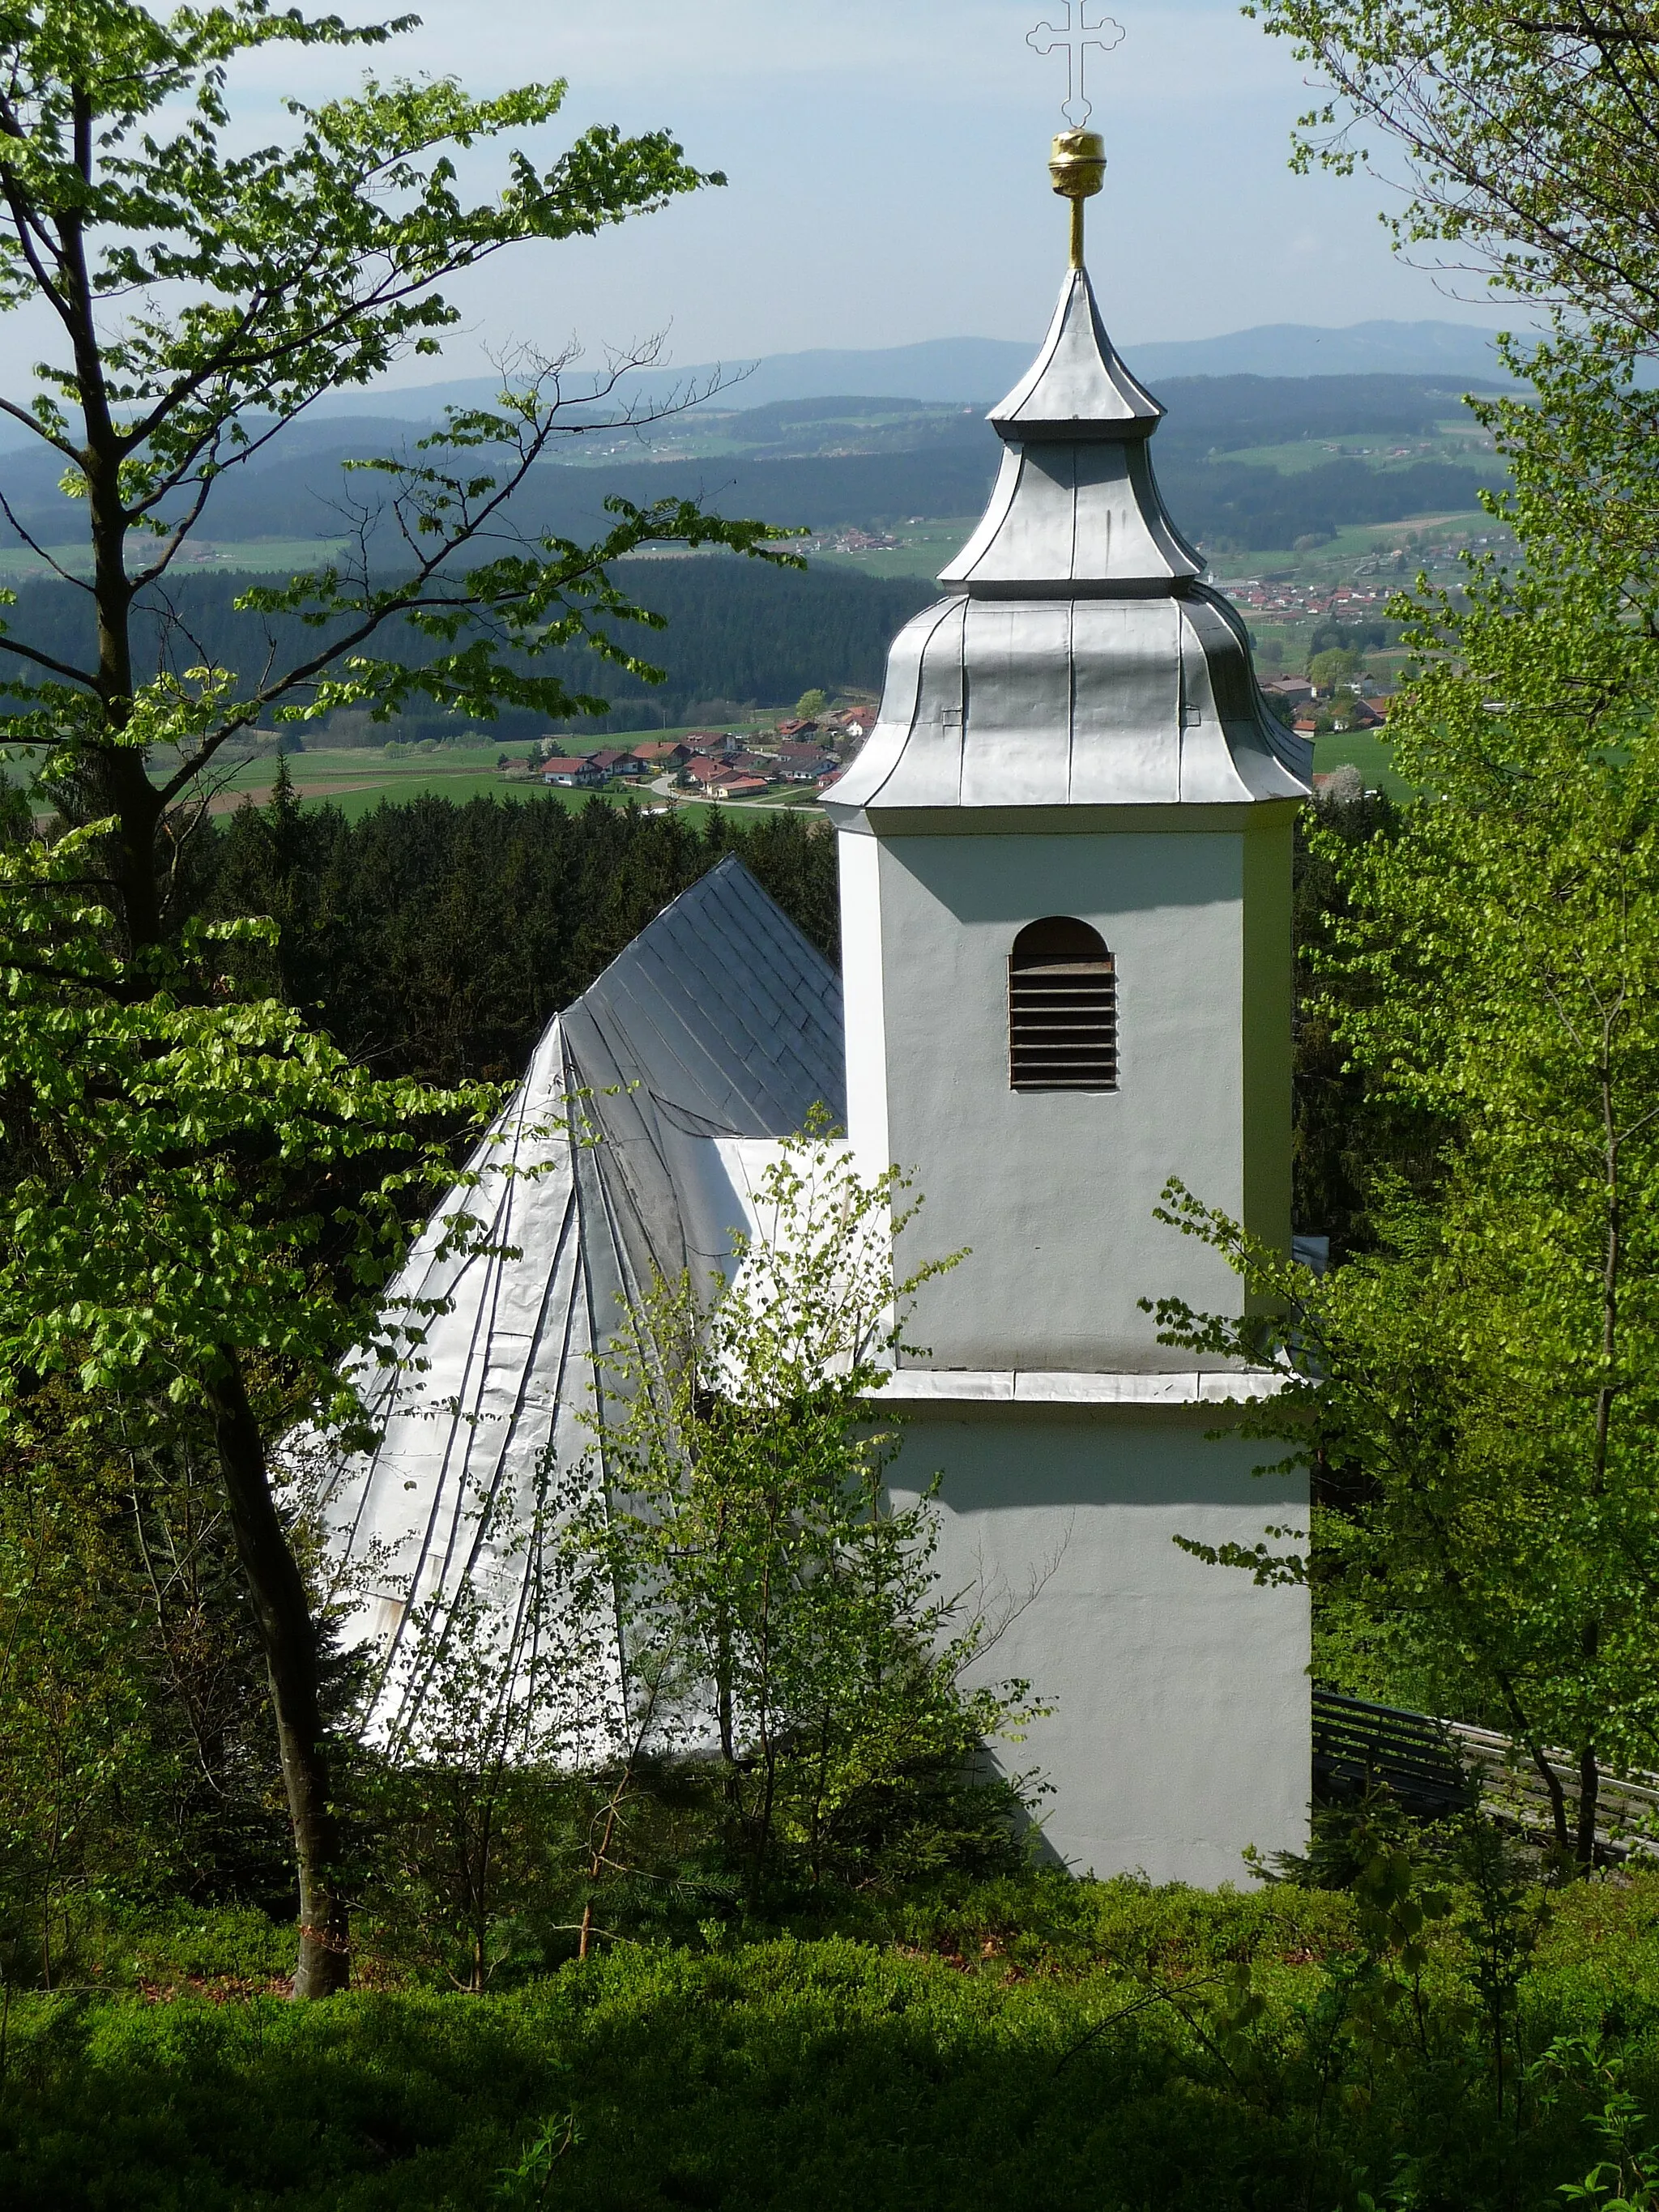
(1080, 661)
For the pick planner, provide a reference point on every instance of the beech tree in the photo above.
(204, 300)
(1528, 136)
(1530, 144)
(768, 1593)
(201, 1197)
(203, 1202)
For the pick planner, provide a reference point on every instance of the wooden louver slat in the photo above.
(1062, 1009)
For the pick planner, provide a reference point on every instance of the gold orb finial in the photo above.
(1078, 163)
(1077, 167)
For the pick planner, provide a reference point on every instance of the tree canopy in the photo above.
(204, 299)
(1527, 135)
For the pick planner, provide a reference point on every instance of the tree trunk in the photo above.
(282, 1611)
(1590, 1791)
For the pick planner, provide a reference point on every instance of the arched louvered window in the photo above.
(1062, 1009)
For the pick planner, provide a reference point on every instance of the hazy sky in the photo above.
(888, 181)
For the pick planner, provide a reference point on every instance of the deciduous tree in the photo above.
(1530, 136)
(1487, 1376)
(202, 1199)
(746, 1538)
(204, 1193)
(204, 299)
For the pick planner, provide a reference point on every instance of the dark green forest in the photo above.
(738, 630)
(437, 941)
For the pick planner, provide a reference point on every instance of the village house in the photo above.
(801, 763)
(614, 762)
(662, 754)
(586, 773)
(1289, 690)
(724, 779)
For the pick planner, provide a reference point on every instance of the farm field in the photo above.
(923, 549)
(1369, 753)
(358, 778)
(1450, 441)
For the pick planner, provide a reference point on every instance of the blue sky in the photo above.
(886, 160)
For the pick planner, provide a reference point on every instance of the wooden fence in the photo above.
(1434, 1768)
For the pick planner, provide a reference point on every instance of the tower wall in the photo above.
(1053, 1192)
(1075, 735)
(1180, 1725)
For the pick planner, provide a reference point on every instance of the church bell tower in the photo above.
(1065, 889)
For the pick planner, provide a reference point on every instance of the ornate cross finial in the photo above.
(1077, 36)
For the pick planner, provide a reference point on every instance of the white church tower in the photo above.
(1066, 871)
(1065, 905)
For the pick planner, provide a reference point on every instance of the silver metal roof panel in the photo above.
(719, 1019)
(1072, 702)
(1077, 387)
(1070, 516)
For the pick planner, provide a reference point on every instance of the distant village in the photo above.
(795, 759)
(1273, 595)
(1315, 710)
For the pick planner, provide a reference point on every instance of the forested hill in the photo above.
(832, 464)
(436, 940)
(738, 630)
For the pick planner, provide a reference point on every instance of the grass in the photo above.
(358, 778)
(1451, 442)
(1333, 562)
(923, 549)
(1035, 2045)
(1367, 752)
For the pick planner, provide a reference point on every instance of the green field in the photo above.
(1366, 752)
(923, 549)
(1386, 455)
(357, 779)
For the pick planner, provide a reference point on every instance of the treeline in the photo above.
(737, 629)
(437, 941)
(1210, 499)
(1233, 505)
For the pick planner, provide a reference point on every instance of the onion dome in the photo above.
(1080, 660)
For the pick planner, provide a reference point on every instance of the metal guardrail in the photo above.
(1433, 1768)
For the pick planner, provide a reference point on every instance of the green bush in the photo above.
(1032, 2043)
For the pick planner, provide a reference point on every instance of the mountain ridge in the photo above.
(973, 371)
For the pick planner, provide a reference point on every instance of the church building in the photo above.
(1065, 857)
